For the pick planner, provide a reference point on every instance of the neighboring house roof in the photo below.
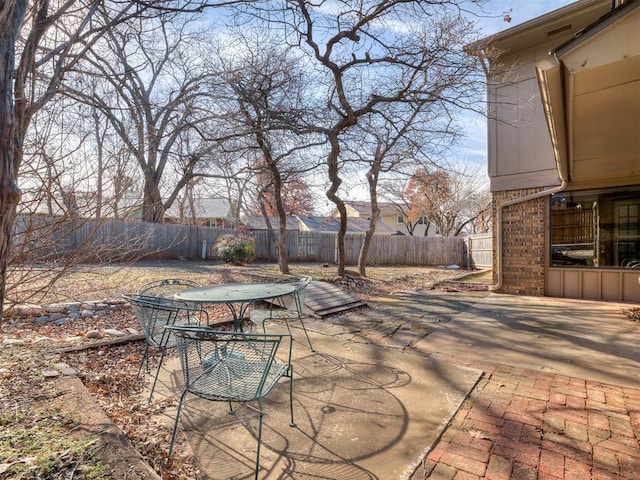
(364, 208)
(203, 208)
(257, 222)
(332, 225)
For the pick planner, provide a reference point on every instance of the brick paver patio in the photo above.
(523, 424)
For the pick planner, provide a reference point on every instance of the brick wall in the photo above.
(523, 240)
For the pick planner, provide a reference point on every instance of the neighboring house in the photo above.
(332, 225)
(257, 222)
(207, 212)
(564, 152)
(314, 223)
(391, 215)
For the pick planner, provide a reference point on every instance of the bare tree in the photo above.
(267, 83)
(150, 89)
(372, 57)
(39, 42)
(452, 200)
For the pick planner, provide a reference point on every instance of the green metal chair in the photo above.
(168, 287)
(153, 315)
(227, 366)
(285, 308)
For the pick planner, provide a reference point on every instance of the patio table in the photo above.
(237, 296)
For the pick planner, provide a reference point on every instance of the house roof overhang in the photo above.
(567, 20)
(590, 91)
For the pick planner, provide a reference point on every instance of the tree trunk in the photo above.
(152, 207)
(372, 180)
(9, 198)
(12, 14)
(336, 181)
(283, 261)
(100, 161)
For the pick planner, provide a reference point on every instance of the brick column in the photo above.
(523, 243)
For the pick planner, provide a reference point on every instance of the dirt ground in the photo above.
(28, 350)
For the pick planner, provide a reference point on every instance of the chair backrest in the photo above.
(155, 313)
(228, 365)
(167, 287)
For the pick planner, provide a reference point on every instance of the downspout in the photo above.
(558, 140)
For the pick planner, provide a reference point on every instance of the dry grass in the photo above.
(99, 282)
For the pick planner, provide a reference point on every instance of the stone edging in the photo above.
(61, 312)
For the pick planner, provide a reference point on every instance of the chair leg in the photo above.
(306, 333)
(175, 425)
(155, 379)
(143, 360)
(299, 305)
(259, 438)
(292, 423)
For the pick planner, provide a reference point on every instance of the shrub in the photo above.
(236, 249)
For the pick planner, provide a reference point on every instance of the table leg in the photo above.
(238, 315)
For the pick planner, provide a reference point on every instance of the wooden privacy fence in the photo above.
(479, 250)
(46, 239)
(384, 250)
(40, 239)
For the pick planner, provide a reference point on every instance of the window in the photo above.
(400, 219)
(596, 228)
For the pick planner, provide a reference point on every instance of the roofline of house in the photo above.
(567, 10)
(511, 35)
(596, 27)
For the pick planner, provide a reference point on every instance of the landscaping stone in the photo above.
(113, 332)
(44, 339)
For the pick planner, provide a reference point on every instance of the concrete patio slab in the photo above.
(362, 412)
(577, 338)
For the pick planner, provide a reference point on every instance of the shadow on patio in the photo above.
(362, 412)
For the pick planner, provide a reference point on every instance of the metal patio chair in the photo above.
(154, 314)
(285, 308)
(168, 287)
(227, 366)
